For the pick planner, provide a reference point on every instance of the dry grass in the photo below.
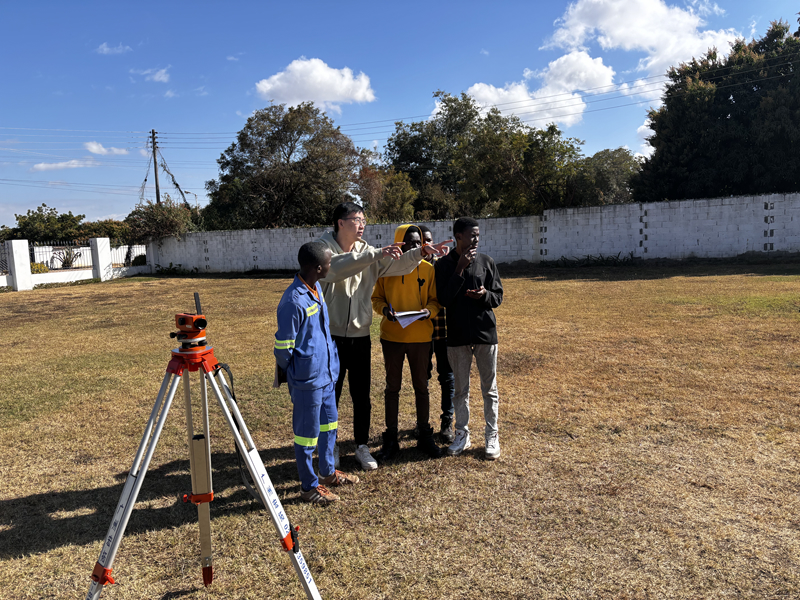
(649, 425)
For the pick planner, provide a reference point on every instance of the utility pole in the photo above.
(155, 164)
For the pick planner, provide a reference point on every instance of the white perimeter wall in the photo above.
(506, 240)
(714, 228)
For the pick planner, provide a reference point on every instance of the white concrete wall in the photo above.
(67, 276)
(506, 240)
(713, 228)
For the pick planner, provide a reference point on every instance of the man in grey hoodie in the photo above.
(355, 267)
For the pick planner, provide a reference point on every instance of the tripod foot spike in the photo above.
(208, 575)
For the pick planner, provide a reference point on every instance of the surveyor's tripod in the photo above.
(193, 356)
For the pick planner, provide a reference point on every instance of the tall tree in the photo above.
(511, 169)
(152, 221)
(424, 150)
(44, 224)
(728, 125)
(287, 167)
(605, 177)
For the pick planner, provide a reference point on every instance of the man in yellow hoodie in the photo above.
(415, 291)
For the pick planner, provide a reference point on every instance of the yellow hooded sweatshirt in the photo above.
(414, 291)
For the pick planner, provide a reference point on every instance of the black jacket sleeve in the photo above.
(493, 285)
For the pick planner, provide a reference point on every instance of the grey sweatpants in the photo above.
(460, 358)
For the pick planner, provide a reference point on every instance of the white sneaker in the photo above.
(365, 458)
(336, 456)
(492, 446)
(460, 444)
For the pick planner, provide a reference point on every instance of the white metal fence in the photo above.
(122, 256)
(62, 255)
(3, 260)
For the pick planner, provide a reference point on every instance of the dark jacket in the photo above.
(469, 321)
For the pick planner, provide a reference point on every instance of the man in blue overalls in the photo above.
(306, 354)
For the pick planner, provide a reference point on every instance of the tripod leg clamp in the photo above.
(198, 498)
(291, 542)
(102, 575)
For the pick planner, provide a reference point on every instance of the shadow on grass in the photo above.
(171, 595)
(630, 270)
(654, 269)
(42, 522)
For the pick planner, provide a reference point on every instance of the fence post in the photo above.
(102, 267)
(19, 264)
(153, 257)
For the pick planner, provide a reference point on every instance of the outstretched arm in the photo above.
(352, 263)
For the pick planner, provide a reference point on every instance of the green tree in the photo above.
(151, 221)
(425, 151)
(110, 228)
(511, 169)
(728, 125)
(462, 161)
(605, 177)
(287, 167)
(44, 224)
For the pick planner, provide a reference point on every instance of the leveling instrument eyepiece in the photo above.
(193, 356)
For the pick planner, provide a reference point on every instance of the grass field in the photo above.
(648, 420)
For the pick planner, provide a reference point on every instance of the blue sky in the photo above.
(83, 83)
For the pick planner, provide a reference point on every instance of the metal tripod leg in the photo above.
(200, 467)
(102, 570)
(262, 482)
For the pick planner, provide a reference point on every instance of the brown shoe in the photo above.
(338, 478)
(319, 495)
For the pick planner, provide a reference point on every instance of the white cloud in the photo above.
(310, 79)
(104, 48)
(233, 58)
(69, 164)
(667, 35)
(201, 91)
(484, 52)
(170, 94)
(556, 100)
(159, 75)
(643, 132)
(143, 152)
(705, 7)
(97, 148)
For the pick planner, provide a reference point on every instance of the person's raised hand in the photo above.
(439, 249)
(466, 259)
(392, 250)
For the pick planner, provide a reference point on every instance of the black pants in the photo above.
(446, 378)
(394, 355)
(355, 360)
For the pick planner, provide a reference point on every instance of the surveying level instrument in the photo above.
(193, 356)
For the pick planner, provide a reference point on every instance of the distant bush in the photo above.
(39, 268)
(139, 261)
